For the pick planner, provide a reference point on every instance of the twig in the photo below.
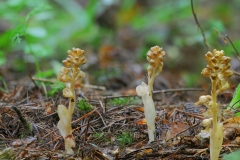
(54, 81)
(199, 26)
(159, 91)
(221, 36)
(104, 108)
(225, 41)
(119, 96)
(86, 133)
(86, 115)
(236, 52)
(24, 106)
(236, 73)
(200, 151)
(101, 117)
(178, 90)
(33, 81)
(38, 135)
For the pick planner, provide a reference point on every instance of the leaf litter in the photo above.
(109, 131)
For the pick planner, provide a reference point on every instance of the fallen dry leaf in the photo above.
(142, 121)
(141, 109)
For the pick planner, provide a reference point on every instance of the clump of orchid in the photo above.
(218, 70)
(69, 74)
(155, 58)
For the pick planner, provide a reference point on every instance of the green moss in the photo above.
(124, 138)
(121, 101)
(7, 154)
(83, 105)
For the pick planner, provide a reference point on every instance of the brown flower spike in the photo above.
(155, 58)
(218, 69)
(69, 74)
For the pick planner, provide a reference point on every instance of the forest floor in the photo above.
(109, 124)
(113, 127)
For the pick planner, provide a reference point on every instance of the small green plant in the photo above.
(5, 87)
(124, 138)
(23, 32)
(218, 70)
(83, 105)
(28, 130)
(121, 101)
(56, 88)
(98, 135)
(2, 58)
(7, 154)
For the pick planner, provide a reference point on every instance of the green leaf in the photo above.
(232, 156)
(17, 38)
(17, 34)
(14, 3)
(237, 114)
(235, 102)
(218, 24)
(38, 32)
(5, 40)
(37, 10)
(56, 88)
(37, 50)
(45, 74)
(2, 58)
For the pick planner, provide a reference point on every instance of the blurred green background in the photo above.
(35, 35)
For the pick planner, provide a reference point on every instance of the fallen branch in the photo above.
(26, 125)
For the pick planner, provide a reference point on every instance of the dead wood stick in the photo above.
(26, 124)
(236, 73)
(178, 90)
(54, 81)
(158, 91)
(192, 115)
(164, 153)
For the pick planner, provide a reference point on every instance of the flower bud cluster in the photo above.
(71, 72)
(75, 57)
(207, 131)
(218, 68)
(155, 58)
(218, 65)
(204, 99)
